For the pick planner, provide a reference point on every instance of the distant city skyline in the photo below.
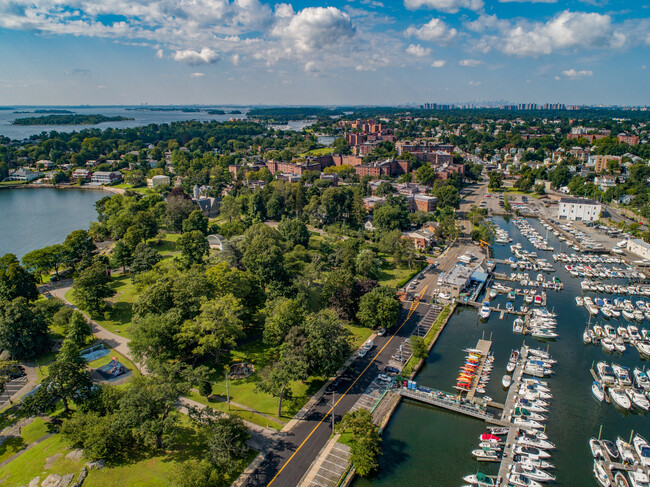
(341, 52)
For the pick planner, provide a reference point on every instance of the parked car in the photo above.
(381, 332)
(362, 353)
(335, 383)
(398, 357)
(391, 370)
(368, 345)
(384, 378)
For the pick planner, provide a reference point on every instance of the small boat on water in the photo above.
(601, 474)
(619, 398)
(580, 301)
(626, 451)
(506, 381)
(642, 449)
(499, 430)
(596, 448)
(598, 391)
(493, 294)
(638, 479)
(479, 479)
(620, 480)
(611, 449)
(607, 344)
(638, 399)
(532, 472)
(485, 310)
(586, 336)
(486, 454)
(622, 375)
(641, 379)
(518, 326)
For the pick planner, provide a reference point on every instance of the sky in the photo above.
(356, 52)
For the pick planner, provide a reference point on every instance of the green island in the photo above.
(68, 119)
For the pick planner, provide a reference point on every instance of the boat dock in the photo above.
(484, 347)
(498, 309)
(441, 400)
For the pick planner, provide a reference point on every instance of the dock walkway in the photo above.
(484, 347)
(433, 399)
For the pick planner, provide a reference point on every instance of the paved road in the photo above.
(295, 452)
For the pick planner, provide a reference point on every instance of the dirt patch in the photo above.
(50, 461)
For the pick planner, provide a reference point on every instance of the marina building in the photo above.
(579, 209)
(639, 247)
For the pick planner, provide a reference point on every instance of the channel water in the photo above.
(427, 446)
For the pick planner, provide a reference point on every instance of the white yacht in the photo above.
(598, 391)
(642, 449)
(626, 451)
(601, 474)
(638, 479)
(485, 310)
(638, 399)
(619, 398)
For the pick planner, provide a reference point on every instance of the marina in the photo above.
(574, 416)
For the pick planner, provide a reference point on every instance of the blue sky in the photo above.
(337, 52)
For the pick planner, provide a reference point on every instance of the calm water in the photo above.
(141, 118)
(34, 218)
(425, 446)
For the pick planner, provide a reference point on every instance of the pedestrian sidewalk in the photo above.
(330, 465)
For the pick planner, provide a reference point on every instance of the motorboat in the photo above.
(493, 294)
(642, 449)
(619, 398)
(605, 310)
(641, 379)
(601, 474)
(638, 399)
(532, 472)
(598, 391)
(528, 423)
(479, 479)
(499, 430)
(536, 463)
(620, 480)
(518, 326)
(486, 454)
(521, 480)
(628, 314)
(586, 336)
(490, 437)
(531, 452)
(543, 333)
(638, 479)
(626, 451)
(622, 375)
(580, 301)
(607, 344)
(526, 413)
(611, 449)
(490, 446)
(506, 381)
(597, 450)
(606, 373)
(537, 406)
(643, 348)
(619, 345)
(532, 440)
(485, 310)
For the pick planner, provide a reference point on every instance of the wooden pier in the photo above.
(456, 406)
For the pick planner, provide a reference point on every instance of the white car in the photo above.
(363, 352)
(381, 332)
(368, 345)
(384, 378)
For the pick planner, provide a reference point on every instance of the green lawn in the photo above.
(166, 243)
(28, 434)
(141, 189)
(392, 276)
(118, 315)
(318, 152)
(148, 470)
(243, 391)
(360, 334)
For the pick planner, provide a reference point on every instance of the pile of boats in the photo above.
(615, 339)
(631, 289)
(587, 259)
(525, 280)
(469, 371)
(501, 236)
(608, 455)
(541, 324)
(532, 235)
(529, 459)
(627, 391)
(578, 236)
(639, 310)
(603, 272)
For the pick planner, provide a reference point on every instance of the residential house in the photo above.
(23, 174)
(105, 177)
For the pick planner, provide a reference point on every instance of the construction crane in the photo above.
(483, 243)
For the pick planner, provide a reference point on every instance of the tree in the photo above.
(23, 331)
(294, 231)
(217, 327)
(154, 338)
(78, 330)
(384, 189)
(341, 146)
(122, 254)
(42, 261)
(226, 437)
(194, 246)
(281, 315)
(425, 174)
(364, 442)
(293, 365)
(196, 221)
(241, 284)
(379, 308)
(328, 345)
(91, 287)
(447, 196)
(144, 258)
(78, 246)
(15, 281)
(264, 258)
(496, 180)
(68, 377)
(392, 214)
(177, 210)
(367, 264)
(418, 347)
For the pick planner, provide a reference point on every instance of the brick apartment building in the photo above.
(628, 139)
(389, 167)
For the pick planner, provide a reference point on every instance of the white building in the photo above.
(23, 174)
(605, 182)
(158, 180)
(105, 177)
(639, 247)
(579, 209)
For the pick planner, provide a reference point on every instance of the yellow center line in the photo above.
(414, 306)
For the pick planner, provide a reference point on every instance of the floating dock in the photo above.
(484, 347)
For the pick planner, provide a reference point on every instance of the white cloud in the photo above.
(475, 83)
(574, 74)
(418, 51)
(195, 58)
(197, 75)
(311, 68)
(160, 53)
(450, 6)
(470, 63)
(435, 30)
(315, 28)
(527, 1)
(565, 30)
(438, 63)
